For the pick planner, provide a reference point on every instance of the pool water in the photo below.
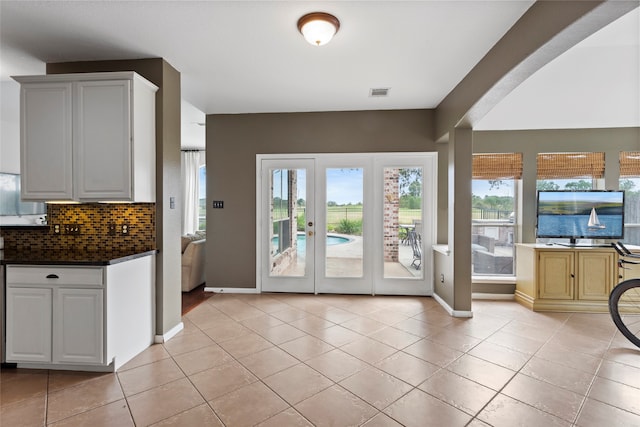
(302, 242)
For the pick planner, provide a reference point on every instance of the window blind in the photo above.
(570, 165)
(497, 166)
(630, 164)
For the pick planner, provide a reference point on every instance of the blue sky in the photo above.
(343, 185)
(483, 188)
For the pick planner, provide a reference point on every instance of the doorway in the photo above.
(346, 223)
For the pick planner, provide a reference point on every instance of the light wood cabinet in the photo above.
(597, 273)
(88, 137)
(556, 274)
(565, 279)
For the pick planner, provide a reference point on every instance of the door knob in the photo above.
(310, 224)
(310, 233)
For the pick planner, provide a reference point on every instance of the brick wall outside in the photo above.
(391, 212)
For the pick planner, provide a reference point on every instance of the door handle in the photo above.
(310, 233)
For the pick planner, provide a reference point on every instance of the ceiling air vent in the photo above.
(379, 92)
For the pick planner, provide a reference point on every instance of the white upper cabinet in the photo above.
(46, 135)
(88, 137)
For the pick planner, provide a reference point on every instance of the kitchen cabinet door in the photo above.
(102, 137)
(46, 141)
(88, 137)
(28, 324)
(78, 331)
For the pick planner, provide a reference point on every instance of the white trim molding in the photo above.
(451, 311)
(232, 290)
(159, 339)
(497, 297)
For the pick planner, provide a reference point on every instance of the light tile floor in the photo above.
(303, 360)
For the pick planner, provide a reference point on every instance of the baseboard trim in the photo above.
(450, 310)
(232, 290)
(159, 339)
(486, 296)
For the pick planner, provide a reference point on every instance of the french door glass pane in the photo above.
(287, 216)
(344, 241)
(402, 222)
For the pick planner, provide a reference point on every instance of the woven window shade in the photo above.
(630, 164)
(570, 165)
(497, 166)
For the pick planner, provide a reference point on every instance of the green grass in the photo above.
(337, 214)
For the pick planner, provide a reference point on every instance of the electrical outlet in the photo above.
(56, 228)
(72, 229)
(111, 229)
(124, 229)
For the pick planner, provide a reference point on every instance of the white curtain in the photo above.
(190, 190)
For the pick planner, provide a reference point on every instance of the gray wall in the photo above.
(168, 220)
(233, 142)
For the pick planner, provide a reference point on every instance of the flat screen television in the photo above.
(580, 215)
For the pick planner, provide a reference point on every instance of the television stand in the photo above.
(556, 278)
(572, 243)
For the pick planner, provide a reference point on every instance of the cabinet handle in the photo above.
(52, 276)
(572, 276)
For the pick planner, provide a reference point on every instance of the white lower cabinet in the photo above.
(28, 324)
(92, 318)
(78, 326)
(55, 315)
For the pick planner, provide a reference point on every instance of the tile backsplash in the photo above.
(89, 227)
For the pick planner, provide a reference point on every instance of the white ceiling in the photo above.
(248, 57)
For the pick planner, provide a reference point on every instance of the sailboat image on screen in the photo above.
(594, 222)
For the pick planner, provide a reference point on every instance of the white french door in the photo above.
(286, 256)
(347, 223)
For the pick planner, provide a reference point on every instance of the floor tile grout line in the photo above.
(126, 399)
(303, 362)
(601, 359)
(593, 375)
(46, 399)
(593, 380)
(373, 366)
(261, 380)
(476, 416)
(468, 350)
(334, 383)
(207, 402)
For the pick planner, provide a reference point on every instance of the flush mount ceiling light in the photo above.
(318, 28)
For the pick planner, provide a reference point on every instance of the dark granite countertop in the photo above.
(69, 257)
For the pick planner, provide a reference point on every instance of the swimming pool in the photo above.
(332, 240)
